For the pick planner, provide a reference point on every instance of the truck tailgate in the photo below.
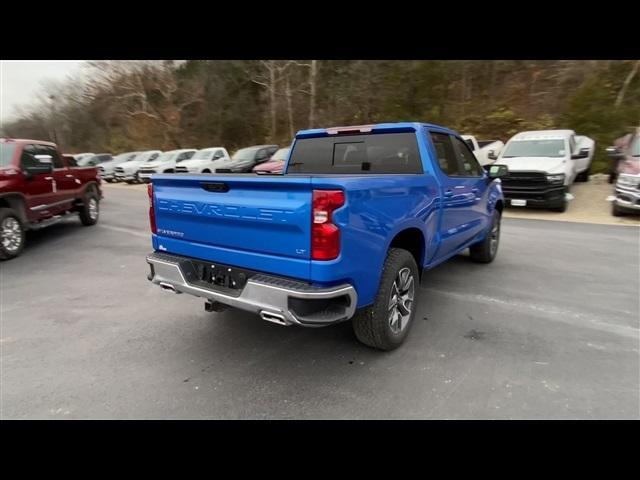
(247, 221)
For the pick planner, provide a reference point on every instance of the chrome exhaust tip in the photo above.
(169, 287)
(273, 317)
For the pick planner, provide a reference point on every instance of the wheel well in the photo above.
(206, 170)
(499, 206)
(168, 170)
(16, 203)
(411, 240)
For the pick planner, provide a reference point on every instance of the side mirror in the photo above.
(497, 171)
(583, 153)
(491, 155)
(613, 152)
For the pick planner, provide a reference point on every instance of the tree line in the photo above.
(118, 106)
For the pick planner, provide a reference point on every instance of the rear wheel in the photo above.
(385, 324)
(90, 210)
(487, 249)
(206, 170)
(12, 234)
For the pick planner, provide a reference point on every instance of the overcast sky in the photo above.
(19, 80)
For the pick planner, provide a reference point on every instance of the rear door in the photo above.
(474, 178)
(65, 185)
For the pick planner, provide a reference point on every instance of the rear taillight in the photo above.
(325, 236)
(152, 214)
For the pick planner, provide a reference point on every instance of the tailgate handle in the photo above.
(215, 186)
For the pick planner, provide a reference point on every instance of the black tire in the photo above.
(616, 211)
(562, 207)
(373, 325)
(486, 250)
(584, 176)
(10, 222)
(206, 170)
(90, 209)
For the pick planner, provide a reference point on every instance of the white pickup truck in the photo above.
(542, 167)
(203, 161)
(486, 151)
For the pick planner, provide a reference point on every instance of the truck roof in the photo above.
(543, 134)
(375, 127)
(26, 140)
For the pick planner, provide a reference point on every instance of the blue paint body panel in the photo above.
(263, 223)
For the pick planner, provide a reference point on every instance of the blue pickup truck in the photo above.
(344, 234)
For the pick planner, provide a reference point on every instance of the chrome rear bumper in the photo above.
(276, 299)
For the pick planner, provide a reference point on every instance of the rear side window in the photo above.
(6, 153)
(375, 153)
(447, 160)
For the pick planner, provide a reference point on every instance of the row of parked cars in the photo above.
(543, 165)
(137, 167)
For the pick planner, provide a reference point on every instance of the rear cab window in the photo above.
(394, 153)
(7, 150)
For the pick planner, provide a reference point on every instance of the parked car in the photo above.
(128, 171)
(625, 154)
(38, 187)
(345, 234)
(245, 159)
(542, 167)
(94, 160)
(486, 151)
(275, 165)
(165, 163)
(70, 160)
(79, 157)
(202, 161)
(107, 169)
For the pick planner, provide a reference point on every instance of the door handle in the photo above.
(474, 190)
(448, 193)
(48, 178)
(69, 176)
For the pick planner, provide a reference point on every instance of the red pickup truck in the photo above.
(38, 186)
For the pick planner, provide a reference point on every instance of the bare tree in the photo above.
(626, 83)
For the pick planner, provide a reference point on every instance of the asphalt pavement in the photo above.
(550, 330)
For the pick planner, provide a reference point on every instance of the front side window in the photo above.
(468, 165)
(445, 153)
(53, 153)
(635, 147)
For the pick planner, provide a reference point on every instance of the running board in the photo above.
(49, 221)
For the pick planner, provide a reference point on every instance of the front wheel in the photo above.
(90, 210)
(12, 234)
(584, 176)
(486, 250)
(562, 206)
(385, 324)
(615, 210)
